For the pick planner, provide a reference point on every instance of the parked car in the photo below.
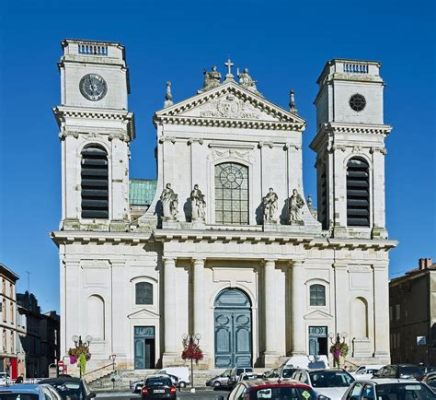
(366, 371)
(389, 389)
(221, 380)
(29, 391)
(181, 373)
(272, 373)
(274, 389)
(249, 376)
(400, 371)
(331, 383)
(70, 388)
(286, 371)
(234, 375)
(136, 386)
(158, 386)
(430, 380)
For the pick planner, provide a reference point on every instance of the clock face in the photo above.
(357, 102)
(93, 87)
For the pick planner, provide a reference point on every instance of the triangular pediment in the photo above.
(230, 101)
(317, 314)
(143, 314)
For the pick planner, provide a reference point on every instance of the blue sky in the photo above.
(284, 44)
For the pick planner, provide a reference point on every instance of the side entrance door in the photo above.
(318, 340)
(144, 342)
(233, 336)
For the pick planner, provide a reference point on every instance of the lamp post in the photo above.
(112, 357)
(81, 347)
(339, 347)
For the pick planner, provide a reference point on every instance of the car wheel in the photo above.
(216, 384)
(182, 384)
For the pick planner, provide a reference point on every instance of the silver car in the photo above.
(29, 391)
(389, 389)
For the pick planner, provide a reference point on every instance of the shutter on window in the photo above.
(358, 193)
(94, 174)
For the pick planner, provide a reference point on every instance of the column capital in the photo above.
(297, 263)
(199, 260)
(380, 266)
(269, 261)
(168, 259)
(341, 265)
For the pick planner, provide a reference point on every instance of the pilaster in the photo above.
(298, 307)
(170, 312)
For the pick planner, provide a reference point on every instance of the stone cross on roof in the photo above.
(229, 65)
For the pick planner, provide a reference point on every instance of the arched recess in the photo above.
(358, 192)
(359, 318)
(233, 329)
(94, 182)
(231, 193)
(96, 317)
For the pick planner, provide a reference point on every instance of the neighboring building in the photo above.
(40, 342)
(9, 360)
(412, 311)
(247, 268)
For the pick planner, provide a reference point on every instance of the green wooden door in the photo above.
(233, 332)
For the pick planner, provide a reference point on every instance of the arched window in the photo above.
(357, 192)
(96, 320)
(231, 194)
(144, 293)
(317, 295)
(94, 174)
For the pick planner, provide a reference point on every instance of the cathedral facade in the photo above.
(227, 248)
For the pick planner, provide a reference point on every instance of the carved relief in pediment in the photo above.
(229, 106)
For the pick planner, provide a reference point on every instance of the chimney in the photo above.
(424, 263)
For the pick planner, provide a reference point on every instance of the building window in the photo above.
(94, 174)
(231, 194)
(144, 293)
(357, 192)
(317, 295)
(397, 312)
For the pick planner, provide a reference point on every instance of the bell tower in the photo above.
(350, 147)
(95, 131)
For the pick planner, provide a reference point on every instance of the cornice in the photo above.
(230, 123)
(357, 128)
(93, 113)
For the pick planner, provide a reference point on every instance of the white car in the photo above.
(389, 389)
(331, 383)
(182, 375)
(366, 371)
(4, 379)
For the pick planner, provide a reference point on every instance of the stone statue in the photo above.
(170, 202)
(270, 206)
(212, 78)
(296, 202)
(198, 204)
(246, 80)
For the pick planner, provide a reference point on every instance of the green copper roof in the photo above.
(141, 191)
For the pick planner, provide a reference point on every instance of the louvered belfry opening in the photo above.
(94, 173)
(357, 192)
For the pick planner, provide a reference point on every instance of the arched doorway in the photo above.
(233, 340)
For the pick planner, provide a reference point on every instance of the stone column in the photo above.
(299, 336)
(170, 312)
(339, 183)
(270, 313)
(381, 312)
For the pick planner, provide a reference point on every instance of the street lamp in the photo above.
(81, 347)
(112, 357)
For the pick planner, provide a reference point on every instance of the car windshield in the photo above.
(18, 396)
(161, 381)
(287, 372)
(404, 391)
(279, 393)
(330, 379)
